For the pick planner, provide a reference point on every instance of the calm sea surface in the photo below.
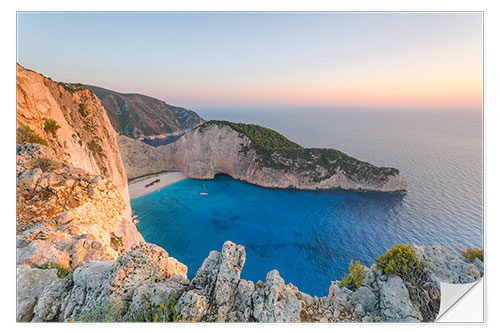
(310, 237)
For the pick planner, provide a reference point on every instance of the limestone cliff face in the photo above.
(140, 159)
(83, 136)
(215, 148)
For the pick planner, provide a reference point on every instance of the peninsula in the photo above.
(259, 156)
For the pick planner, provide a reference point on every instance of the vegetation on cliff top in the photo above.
(263, 138)
(471, 254)
(277, 152)
(402, 261)
(353, 280)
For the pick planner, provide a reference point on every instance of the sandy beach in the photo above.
(137, 187)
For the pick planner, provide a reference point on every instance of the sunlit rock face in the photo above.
(84, 137)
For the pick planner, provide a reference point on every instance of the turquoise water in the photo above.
(310, 237)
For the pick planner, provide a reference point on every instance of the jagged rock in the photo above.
(137, 283)
(446, 265)
(243, 300)
(68, 218)
(364, 299)
(232, 261)
(192, 305)
(218, 277)
(175, 267)
(479, 265)
(29, 178)
(40, 252)
(395, 303)
(149, 296)
(91, 289)
(206, 276)
(88, 249)
(31, 283)
(368, 277)
(48, 307)
(276, 302)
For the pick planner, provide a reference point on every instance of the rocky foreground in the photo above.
(142, 285)
(219, 147)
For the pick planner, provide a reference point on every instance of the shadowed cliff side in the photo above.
(139, 116)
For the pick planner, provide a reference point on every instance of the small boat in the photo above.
(206, 191)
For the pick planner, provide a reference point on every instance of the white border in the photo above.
(491, 115)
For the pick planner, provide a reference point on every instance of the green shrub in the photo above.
(95, 148)
(61, 271)
(26, 134)
(471, 254)
(112, 312)
(400, 260)
(353, 280)
(82, 109)
(51, 126)
(163, 312)
(261, 137)
(117, 243)
(66, 86)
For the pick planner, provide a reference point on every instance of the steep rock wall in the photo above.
(85, 138)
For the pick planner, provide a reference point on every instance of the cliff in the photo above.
(72, 123)
(143, 285)
(139, 116)
(259, 156)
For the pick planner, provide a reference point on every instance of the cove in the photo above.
(308, 236)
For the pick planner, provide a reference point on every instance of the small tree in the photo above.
(51, 126)
(353, 280)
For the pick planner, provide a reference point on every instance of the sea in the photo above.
(310, 237)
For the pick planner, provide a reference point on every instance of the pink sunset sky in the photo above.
(380, 60)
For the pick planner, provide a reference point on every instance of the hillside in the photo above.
(139, 116)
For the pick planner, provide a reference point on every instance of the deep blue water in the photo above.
(310, 237)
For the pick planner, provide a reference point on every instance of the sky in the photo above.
(339, 59)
